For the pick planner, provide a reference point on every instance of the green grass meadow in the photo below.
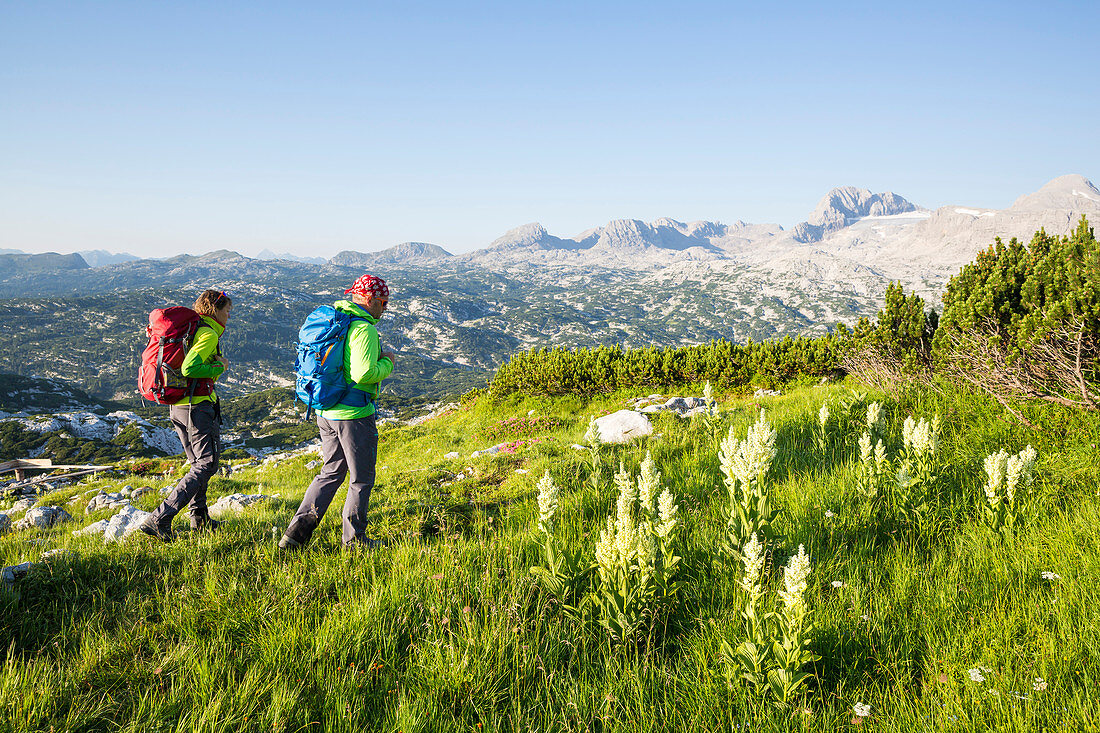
(445, 629)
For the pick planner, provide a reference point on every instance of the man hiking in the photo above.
(349, 433)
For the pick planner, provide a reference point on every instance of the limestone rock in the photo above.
(13, 572)
(93, 528)
(103, 500)
(623, 426)
(23, 505)
(234, 504)
(124, 523)
(43, 517)
(5, 523)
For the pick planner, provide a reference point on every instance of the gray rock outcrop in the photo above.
(43, 517)
(235, 504)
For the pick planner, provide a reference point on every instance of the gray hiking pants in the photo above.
(198, 429)
(348, 446)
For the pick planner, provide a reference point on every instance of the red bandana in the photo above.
(369, 286)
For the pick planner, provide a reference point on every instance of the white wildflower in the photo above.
(996, 465)
(1039, 685)
(624, 505)
(708, 393)
(753, 557)
(592, 437)
(648, 483)
(838, 583)
(865, 449)
(976, 674)
(606, 552)
(1018, 471)
(829, 514)
(1006, 473)
(1048, 575)
(794, 579)
(548, 501)
(921, 437)
(823, 415)
(749, 460)
(861, 710)
(667, 514)
(880, 454)
(874, 417)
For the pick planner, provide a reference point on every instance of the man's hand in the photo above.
(221, 360)
(389, 355)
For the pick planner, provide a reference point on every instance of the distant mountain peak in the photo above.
(524, 235)
(1074, 192)
(406, 253)
(843, 206)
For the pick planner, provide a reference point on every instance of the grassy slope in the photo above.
(444, 630)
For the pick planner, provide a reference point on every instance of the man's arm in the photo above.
(366, 369)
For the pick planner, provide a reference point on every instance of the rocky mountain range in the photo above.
(455, 318)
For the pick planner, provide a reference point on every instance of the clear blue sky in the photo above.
(160, 128)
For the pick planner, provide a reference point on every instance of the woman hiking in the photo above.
(197, 420)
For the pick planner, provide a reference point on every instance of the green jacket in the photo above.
(363, 363)
(200, 361)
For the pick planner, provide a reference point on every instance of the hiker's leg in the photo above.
(322, 488)
(201, 445)
(359, 439)
(212, 441)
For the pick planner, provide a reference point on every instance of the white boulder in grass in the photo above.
(124, 523)
(43, 517)
(623, 426)
(103, 500)
(95, 528)
(235, 503)
(23, 505)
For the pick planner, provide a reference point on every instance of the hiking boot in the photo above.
(289, 544)
(201, 521)
(156, 531)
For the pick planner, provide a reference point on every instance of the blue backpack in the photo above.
(319, 369)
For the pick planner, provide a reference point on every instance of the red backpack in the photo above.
(171, 331)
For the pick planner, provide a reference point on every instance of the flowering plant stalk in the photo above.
(561, 574)
(790, 650)
(774, 652)
(712, 416)
(751, 655)
(1006, 475)
(635, 560)
(821, 434)
(745, 465)
(914, 486)
(874, 468)
(592, 438)
(874, 421)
